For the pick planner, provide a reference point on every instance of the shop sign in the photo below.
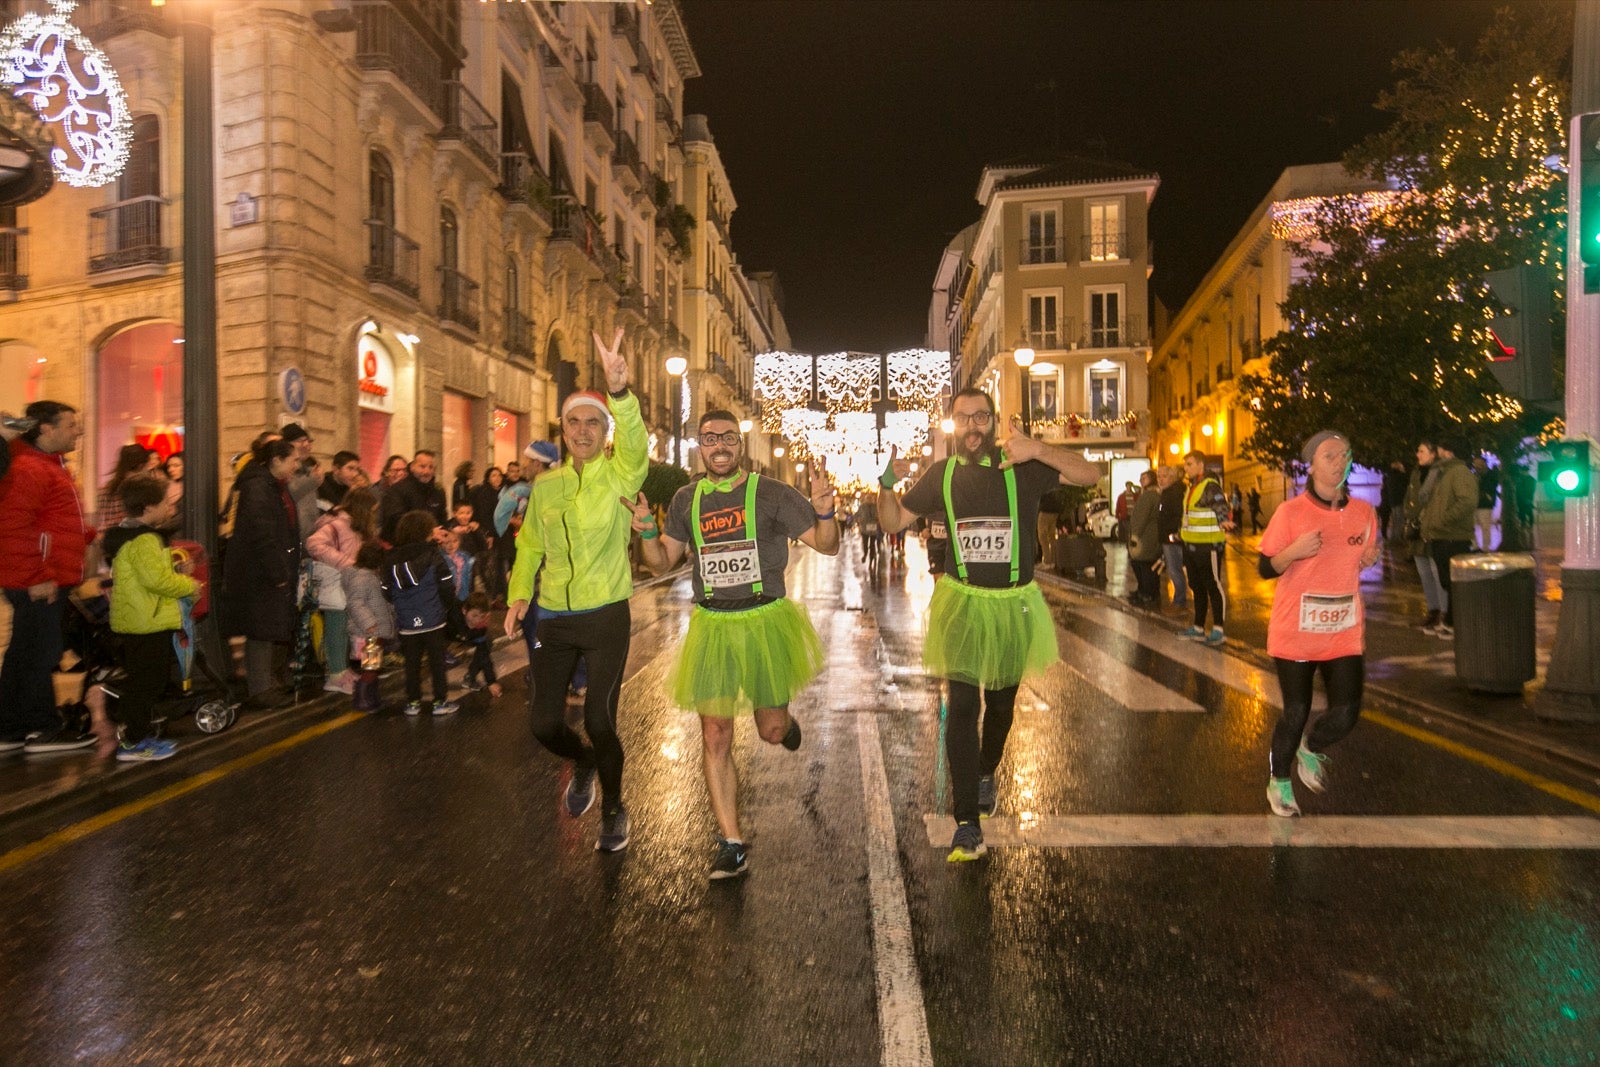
(374, 375)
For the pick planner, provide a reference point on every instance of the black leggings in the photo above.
(1342, 678)
(962, 751)
(148, 660)
(434, 644)
(1202, 561)
(601, 637)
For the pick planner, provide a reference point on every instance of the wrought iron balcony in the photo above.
(599, 117)
(625, 163)
(1031, 252)
(668, 120)
(458, 299)
(1104, 247)
(128, 234)
(392, 258)
(523, 181)
(386, 42)
(1129, 333)
(570, 222)
(467, 121)
(13, 258)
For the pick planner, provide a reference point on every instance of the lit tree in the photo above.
(1388, 328)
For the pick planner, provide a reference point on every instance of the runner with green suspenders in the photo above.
(749, 649)
(988, 627)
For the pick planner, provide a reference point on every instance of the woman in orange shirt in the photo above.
(1316, 546)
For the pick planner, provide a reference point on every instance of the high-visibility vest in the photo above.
(1199, 524)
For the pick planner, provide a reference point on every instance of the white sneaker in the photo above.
(1280, 794)
(445, 707)
(343, 682)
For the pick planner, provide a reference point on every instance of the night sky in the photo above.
(854, 131)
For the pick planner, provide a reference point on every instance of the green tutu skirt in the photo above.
(736, 661)
(990, 638)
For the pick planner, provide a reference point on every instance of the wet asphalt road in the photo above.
(405, 891)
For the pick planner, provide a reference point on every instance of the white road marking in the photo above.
(1117, 680)
(1269, 831)
(902, 1020)
(1213, 663)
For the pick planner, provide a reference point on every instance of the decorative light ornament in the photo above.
(50, 65)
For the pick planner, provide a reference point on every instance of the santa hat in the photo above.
(585, 396)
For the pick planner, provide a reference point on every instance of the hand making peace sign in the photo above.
(616, 367)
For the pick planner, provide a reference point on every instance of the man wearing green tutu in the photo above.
(988, 627)
(749, 649)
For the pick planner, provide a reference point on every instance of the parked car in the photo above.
(1102, 521)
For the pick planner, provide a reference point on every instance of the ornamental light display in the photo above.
(847, 409)
(51, 66)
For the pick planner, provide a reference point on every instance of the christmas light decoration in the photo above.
(56, 70)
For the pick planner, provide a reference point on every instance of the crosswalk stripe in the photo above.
(1269, 831)
(1229, 670)
(1117, 680)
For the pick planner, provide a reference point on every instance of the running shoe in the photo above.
(1215, 638)
(1193, 633)
(343, 682)
(1313, 767)
(58, 740)
(12, 745)
(613, 830)
(445, 707)
(986, 796)
(470, 684)
(733, 859)
(967, 844)
(579, 796)
(1444, 631)
(414, 708)
(147, 751)
(1280, 794)
(791, 736)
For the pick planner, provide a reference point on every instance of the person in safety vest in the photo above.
(749, 649)
(1206, 522)
(987, 624)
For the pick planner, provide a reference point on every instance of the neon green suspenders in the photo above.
(749, 523)
(950, 520)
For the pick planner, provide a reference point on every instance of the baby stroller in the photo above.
(194, 688)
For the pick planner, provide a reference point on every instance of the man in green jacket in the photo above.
(578, 531)
(1449, 498)
(145, 589)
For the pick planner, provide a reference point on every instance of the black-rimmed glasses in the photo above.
(708, 439)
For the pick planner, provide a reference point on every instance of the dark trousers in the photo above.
(1342, 678)
(413, 647)
(1202, 561)
(27, 686)
(1443, 552)
(1145, 581)
(147, 660)
(968, 758)
(601, 637)
(482, 664)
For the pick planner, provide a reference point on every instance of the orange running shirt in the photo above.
(1316, 610)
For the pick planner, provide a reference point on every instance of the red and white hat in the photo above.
(586, 396)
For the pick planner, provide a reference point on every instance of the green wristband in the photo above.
(649, 535)
(887, 478)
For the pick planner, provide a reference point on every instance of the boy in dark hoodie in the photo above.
(419, 584)
(145, 613)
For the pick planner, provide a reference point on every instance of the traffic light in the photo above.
(1589, 199)
(1519, 340)
(1566, 472)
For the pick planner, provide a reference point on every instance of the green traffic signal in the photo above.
(1566, 473)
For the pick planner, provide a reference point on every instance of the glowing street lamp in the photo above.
(676, 365)
(1024, 358)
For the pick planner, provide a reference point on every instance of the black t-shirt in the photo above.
(979, 491)
(782, 513)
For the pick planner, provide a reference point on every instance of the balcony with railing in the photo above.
(109, 18)
(13, 259)
(1031, 252)
(578, 241)
(523, 183)
(625, 27)
(599, 118)
(558, 78)
(667, 120)
(625, 164)
(128, 235)
(1104, 247)
(458, 299)
(634, 301)
(1130, 332)
(468, 124)
(395, 52)
(518, 337)
(392, 259)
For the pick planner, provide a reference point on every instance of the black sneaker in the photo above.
(733, 859)
(613, 830)
(579, 796)
(967, 843)
(791, 736)
(986, 797)
(57, 740)
(12, 744)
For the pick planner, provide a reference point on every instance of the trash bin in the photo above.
(1491, 597)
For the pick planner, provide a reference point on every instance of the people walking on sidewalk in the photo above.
(419, 584)
(1449, 498)
(1205, 526)
(578, 533)
(1169, 518)
(1411, 531)
(1316, 547)
(1144, 543)
(987, 624)
(749, 648)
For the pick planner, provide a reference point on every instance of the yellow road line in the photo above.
(79, 830)
(1587, 801)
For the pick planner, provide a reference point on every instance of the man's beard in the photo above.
(984, 448)
(732, 461)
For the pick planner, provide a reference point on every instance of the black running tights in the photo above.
(962, 750)
(601, 637)
(1342, 678)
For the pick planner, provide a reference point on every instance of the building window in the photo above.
(1044, 395)
(1043, 325)
(1105, 390)
(380, 189)
(1105, 318)
(1043, 237)
(1105, 240)
(140, 390)
(449, 247)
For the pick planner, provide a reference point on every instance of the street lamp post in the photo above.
(199, 285)
(1024, 357)
(676, 365)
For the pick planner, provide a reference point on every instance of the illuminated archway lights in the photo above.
(49, 64)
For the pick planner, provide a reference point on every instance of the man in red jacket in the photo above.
(42, 541)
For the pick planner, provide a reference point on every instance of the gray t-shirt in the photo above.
(781, 513)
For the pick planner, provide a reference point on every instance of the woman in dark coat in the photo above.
(460, 492)
(261, 572)
(485, 496)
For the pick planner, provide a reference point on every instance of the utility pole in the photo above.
(1572, 684)
(199, 285)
